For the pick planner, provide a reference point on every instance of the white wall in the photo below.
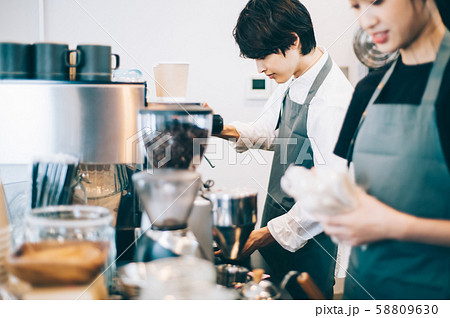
(19, 21)
(198, 31)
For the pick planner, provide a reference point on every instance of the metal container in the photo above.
(234, 218)
(229, 275)
(95, 122)
(259, 289)
(367, 53)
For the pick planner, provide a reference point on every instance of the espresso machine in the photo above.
(95, 122)
(125, 148)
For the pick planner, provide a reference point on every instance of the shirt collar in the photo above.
(300, 86)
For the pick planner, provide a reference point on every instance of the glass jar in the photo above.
(73, 236)
(103, 185)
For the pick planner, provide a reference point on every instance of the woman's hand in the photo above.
(371, 221)
(257, 239)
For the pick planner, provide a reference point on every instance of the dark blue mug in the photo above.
(15, 60)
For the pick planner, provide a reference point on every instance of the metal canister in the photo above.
(229, 275)
(234, 218)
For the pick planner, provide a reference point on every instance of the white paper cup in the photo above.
(171, 79)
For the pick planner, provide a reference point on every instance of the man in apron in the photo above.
(300, 122)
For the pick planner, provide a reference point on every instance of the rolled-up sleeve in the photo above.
(293, 229)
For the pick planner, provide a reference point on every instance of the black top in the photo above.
(405, 86)
(444, 9)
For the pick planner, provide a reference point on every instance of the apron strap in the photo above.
(437, 72)
(382, 84)
(282, 107)
(319, 80)
(374, 97)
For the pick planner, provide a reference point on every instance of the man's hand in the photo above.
(257, 239)
(228, 132)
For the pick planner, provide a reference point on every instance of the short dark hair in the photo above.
(265, 27)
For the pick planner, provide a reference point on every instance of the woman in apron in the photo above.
(399, 143)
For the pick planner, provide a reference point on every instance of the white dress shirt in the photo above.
(325, 116)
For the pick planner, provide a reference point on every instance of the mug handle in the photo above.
(78, 58)
(117, 61)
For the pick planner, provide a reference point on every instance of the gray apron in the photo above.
(311, 258)
(398, 159)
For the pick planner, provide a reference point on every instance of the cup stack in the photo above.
(5, 244)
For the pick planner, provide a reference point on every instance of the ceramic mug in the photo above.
(94, 63)
(15, 60)
(51, 61)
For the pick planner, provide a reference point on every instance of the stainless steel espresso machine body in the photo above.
(95, 122)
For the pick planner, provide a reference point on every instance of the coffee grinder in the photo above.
(167, 196)
(175, 136)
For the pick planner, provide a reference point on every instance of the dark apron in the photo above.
(398, 158)
(317, 256)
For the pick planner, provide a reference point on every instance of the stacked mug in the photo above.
(15, 60)
(5, 244)
(54, 61)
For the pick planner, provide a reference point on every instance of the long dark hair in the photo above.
(444, 10)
